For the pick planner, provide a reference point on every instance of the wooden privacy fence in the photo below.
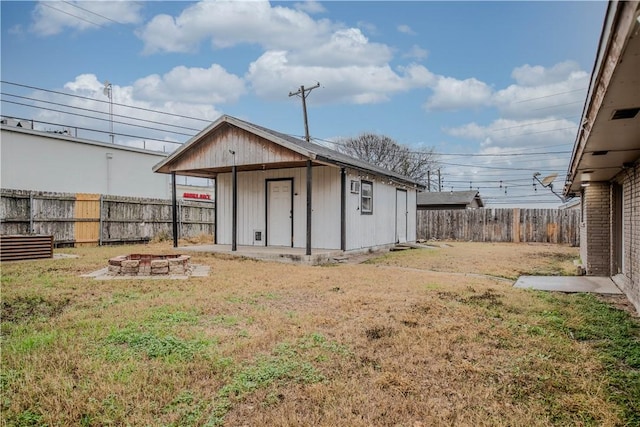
(94, 219)
(501, 225)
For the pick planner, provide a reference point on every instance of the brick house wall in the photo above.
(595, 229)
(599, 237)
(628, 280)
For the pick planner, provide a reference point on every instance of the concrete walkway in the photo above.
(598, 285)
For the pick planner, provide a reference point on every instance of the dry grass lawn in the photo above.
(493, 259)
(403, 340)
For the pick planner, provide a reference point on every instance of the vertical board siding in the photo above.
(377, 229)
(223, 205)
(77, 218)
(325, 221)
(411, 218)
(216, 150)
(501, 225)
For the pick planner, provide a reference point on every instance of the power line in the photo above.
(105, 102)
(549, 96)
(91, 110)
(488, 170)
(143, 138)
(557, 105)
(534, 123)
(44, 3)
(437, 153)
(94, 13)
(491, 167)
(96, 118)
(545, 153)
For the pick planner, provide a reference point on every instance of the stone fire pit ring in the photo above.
(149, 265)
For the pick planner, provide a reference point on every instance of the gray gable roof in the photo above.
(437, 198)
(309, 149)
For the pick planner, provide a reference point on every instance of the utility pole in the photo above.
(302, 93)
(439, 181)
(429, 181)
(108, 91)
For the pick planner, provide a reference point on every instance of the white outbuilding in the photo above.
(276, 190)
(37, 160)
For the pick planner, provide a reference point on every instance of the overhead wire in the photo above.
(107, 102)
(96, 118)
(534, 123)
(492, 174)
(551, 95)
(93, 130)
(44, 3)
(92, 12)
(94, 111)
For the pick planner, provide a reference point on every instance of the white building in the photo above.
(276, 190)
(58, 162)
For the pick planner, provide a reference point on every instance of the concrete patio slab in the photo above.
(196, 271)
(598, 285)
(270, 253)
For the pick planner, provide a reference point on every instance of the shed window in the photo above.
(366, 198)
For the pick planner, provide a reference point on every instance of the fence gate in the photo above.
(87, 216)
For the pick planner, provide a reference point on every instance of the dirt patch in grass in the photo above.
(260, 343)
(24, 308)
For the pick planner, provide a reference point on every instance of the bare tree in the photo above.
(385, 152)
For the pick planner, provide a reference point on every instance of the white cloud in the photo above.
(453, 94)
(368, 27)
(535, 117)
(297, 49)
(552, 97)
(344, 47)
(275, 28)
(310, 7)
(539, 92)
(405, 29)
(50, 18)
(518, 133)
(272, 74)
(417, 53)
(538, 75)
(227, 23)
(213, 85)
(92, 98)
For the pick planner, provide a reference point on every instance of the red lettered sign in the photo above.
(199, 196)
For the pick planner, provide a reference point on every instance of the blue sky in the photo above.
(482, 79)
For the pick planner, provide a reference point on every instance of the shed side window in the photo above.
(366, 198)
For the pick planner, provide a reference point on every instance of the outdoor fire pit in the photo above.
(149, 265)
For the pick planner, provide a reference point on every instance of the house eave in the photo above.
(605, 146)
(303, 152)
(165, 166)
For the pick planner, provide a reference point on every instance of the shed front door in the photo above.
(280, 212)
(401, 216)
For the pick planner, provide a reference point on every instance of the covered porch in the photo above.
(276, 191)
